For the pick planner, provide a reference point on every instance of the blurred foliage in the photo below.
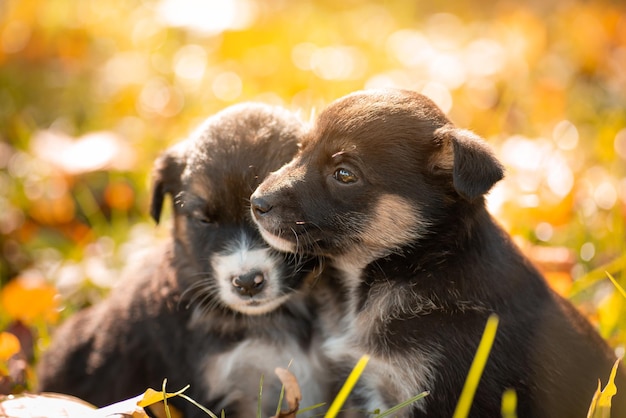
(91, 92)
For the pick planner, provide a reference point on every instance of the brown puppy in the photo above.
(392, 193)
(217, 308)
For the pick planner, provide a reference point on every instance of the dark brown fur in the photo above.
(391, 193)
(178, 315)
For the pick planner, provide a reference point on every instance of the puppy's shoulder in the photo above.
(150, 275)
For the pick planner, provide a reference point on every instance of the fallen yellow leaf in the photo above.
(151, 396)
(610, 389)
(601, 401)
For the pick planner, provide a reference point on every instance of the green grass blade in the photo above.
(594, 276)
(91, 209)
(281, 397)
(347, 387)
(620, 288)
(179, 391)
(167, 409)
(196, 404)
(260, 403)
(476, 369)
(280, 400)
(403, 404)
(310, 408)
(509, 404)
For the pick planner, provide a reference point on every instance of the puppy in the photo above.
(392, 193)
(217, 308)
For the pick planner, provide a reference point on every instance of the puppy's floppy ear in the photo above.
(166, 174)
(474, 167)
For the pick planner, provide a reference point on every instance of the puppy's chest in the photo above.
(250, 359)
(392, 375)
(382, 320)
(383, 316)
(234, 375)
(384, 326)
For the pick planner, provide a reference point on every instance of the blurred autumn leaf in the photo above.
(91, 92)
(9, 346)
(29, 299)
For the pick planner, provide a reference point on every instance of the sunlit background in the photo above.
(91, 92)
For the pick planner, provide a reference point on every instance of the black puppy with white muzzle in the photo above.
(392, 194)
(217, 308)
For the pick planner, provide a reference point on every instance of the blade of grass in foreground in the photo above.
(403, 404)
(167, 409)
(310, 408)
(260, 402)
(281, 397)
(347, 387)
(196, 404)
(509, 404)
(476, 369)
(151, 396)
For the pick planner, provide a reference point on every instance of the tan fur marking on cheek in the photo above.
(395, 223)
(180, 227)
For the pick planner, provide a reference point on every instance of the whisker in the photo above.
(203, 294)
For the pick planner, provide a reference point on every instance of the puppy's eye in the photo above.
(343, 175)
(201, 218)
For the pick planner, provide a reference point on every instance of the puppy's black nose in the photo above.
(260, 206)
(249, 284)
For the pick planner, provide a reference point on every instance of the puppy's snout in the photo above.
(249, 284)
(260, 206)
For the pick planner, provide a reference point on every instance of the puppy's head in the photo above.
(221, 260)
(379, 171)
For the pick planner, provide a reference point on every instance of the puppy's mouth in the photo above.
(251, 293)
(249, 278)
(255, 306)
(277, 241)
(293, 237)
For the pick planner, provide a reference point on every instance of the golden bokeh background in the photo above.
(91, 92)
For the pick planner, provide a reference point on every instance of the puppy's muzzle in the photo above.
(260, 207)
(249, 284)
(270, 220)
